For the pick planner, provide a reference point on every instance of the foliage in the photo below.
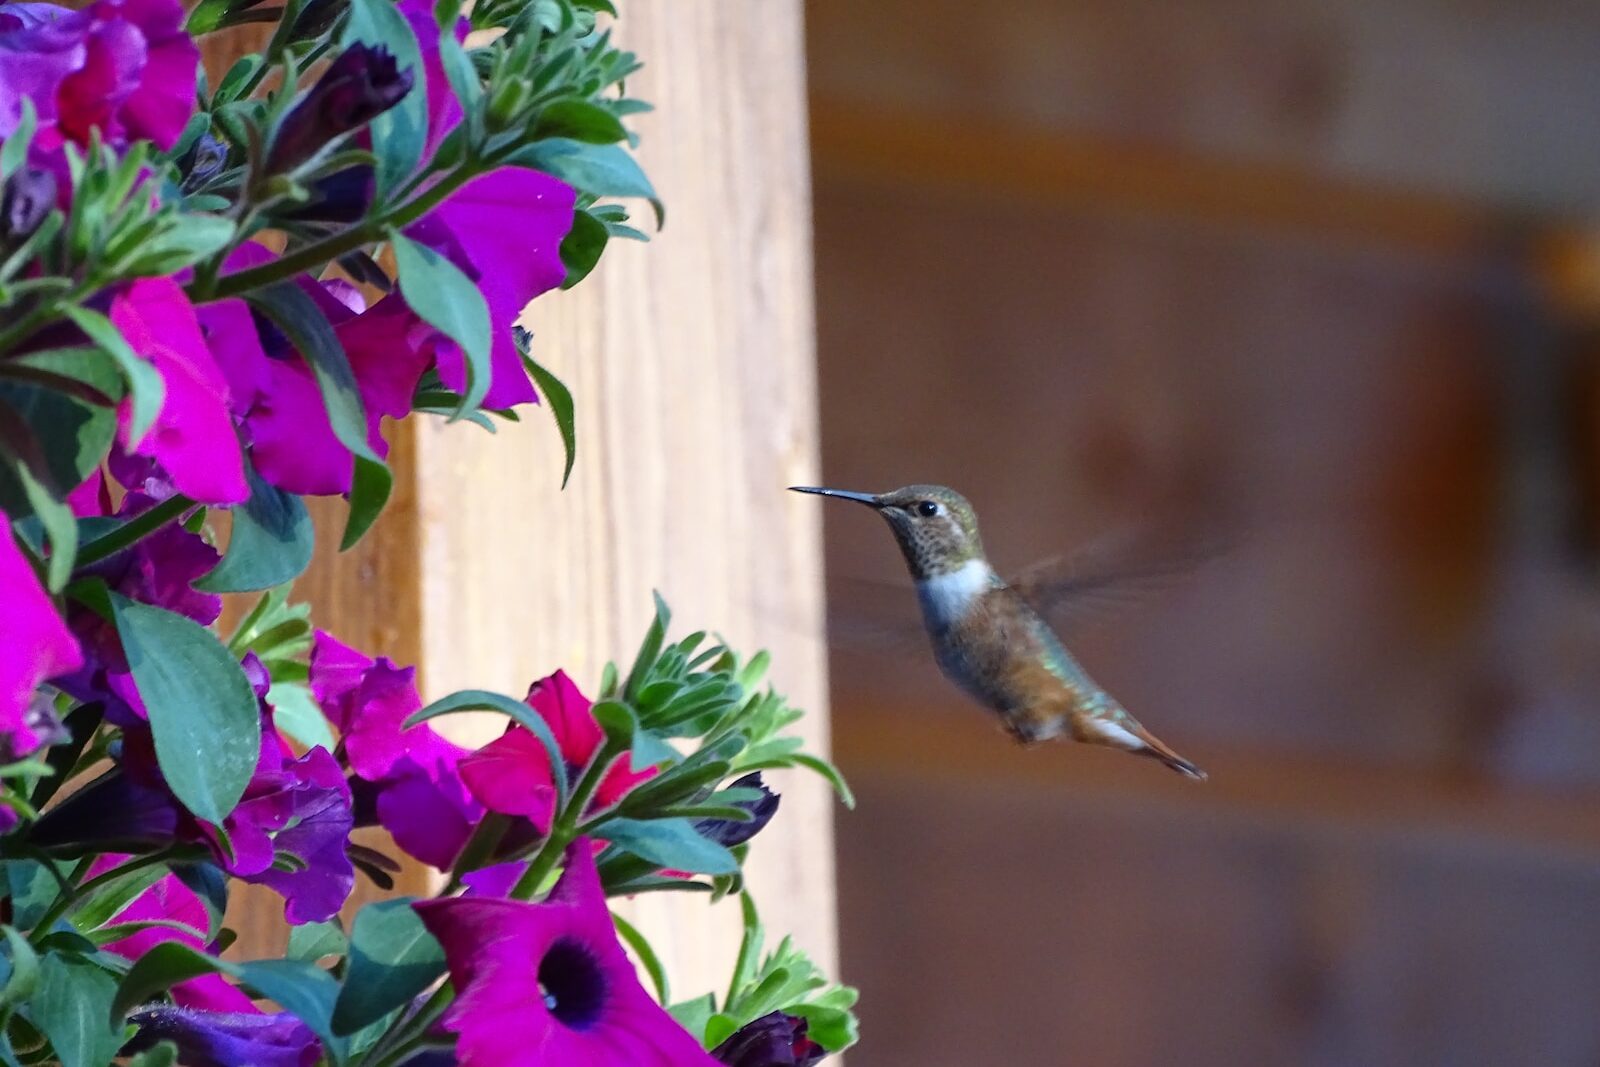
(211, 294)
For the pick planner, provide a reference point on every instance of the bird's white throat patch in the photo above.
(946, 597)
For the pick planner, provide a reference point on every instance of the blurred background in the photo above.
(1318, 279)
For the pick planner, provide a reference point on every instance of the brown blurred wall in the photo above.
(1274, 272)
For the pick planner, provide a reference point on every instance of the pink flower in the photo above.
(125, 66)
(544, 984)
(503, 230)
(193, 437)
(35, 645)
(275, 395)
(512, 775)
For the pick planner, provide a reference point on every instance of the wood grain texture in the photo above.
(691, 360)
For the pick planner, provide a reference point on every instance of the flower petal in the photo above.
(193, 436)
(35, 645)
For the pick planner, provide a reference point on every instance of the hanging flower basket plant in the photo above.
(211, 294)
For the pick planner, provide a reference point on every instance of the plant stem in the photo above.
(134, 530)
(65, 900)
(332, 246)
(564, 827)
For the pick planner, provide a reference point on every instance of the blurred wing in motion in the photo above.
(1098, 581)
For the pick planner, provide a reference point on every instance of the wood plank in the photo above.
(692, 363)
(691, 359)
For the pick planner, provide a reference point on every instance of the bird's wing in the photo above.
(1093, 583)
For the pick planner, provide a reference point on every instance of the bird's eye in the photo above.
(927, 509)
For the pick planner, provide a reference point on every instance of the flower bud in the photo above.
(774, 1040)
(29, 196)
(730, 832)
(203, 161)
(360, 85)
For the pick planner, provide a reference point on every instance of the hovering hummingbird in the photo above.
(989, 640)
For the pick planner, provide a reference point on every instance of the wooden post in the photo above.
(691, 361)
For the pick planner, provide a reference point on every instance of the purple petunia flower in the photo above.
(297, 807)
(35, 646)
(226, 1038)
(124, 66)
(774, 1040)
(193, 437)
(407, 779)
(541, 984)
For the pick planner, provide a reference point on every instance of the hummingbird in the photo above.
(989, 640)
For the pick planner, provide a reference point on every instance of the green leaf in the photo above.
(60, 525)
(158, 970)
(693, 1015)
(392, 959)
(670, 843)
(650, 751)
(446, 299)
(646, 955)
(14, 152)
(183, 240)
(238, 75)
(271, 541)
(617, 720)
(481, 700)
(72, 1007)
(312, 941)
(369, 492)
(579, 120)
(296, 713)
(830, 772)
(559, 400)
(202, 710)
(582, 246)
(164, 1054)
(597, 169)
(22, 976)
(302, 322)
(33, 888)
(146, 391)
(115, 895)
(398, 135)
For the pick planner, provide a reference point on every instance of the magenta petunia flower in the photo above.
(542, 984)
(193, 437)
(274, 394)
(171, 901)
(407, 779)
(35, 646)
(503, 229)
(125, 66)
(295, 807)
(511, 774)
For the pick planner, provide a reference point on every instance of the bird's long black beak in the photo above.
(860, 498)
